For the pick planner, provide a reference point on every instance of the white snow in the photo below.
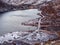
(40, 1)
(35, 36)
(40, 36)
(12, 36)
(30, 1)
(19, 2)
(28, 36)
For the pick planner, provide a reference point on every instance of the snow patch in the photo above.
(12, 36)
(19, 2)
(28, 36)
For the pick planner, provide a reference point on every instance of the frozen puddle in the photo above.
(12, 21)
